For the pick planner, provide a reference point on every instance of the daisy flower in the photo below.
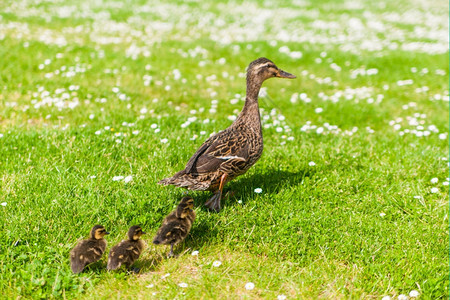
(249, 286)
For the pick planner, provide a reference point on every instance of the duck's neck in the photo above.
(250, 112)
(253, 87)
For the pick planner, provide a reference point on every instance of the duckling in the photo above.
(88, 251)
(127, 251)
(176, 225)
(231, 152)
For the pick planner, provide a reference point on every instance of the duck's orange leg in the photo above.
(214, 202)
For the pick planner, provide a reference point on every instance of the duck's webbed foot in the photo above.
(214, 202)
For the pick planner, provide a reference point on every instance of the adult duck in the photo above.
(231, 152)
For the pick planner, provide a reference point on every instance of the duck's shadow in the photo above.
(270, 182)
(199, 235)
(97, 267)
(149, 263)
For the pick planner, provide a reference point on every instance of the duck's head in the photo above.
(185, 206)
(263, 68)
(98, 232)
(135, 232)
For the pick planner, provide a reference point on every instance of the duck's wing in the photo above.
(79, 257)
(77, 262)
(226, 145)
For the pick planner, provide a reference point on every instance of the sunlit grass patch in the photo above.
(101, 100)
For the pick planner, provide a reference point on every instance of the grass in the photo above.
(364, 221)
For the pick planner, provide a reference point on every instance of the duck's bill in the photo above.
(283, 74)
(107, 232)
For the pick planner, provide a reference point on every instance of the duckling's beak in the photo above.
(144, 232)
(283, 74)
(107, 232)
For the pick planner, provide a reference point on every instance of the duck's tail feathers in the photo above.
(186, 180)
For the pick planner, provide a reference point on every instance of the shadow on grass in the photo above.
(148, 264)
(200, 234)
(272, 181)
(97, 267)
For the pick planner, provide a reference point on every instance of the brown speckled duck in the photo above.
(231, 152)
(176, 225)
(88, 251)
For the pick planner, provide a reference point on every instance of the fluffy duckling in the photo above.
(127, 251)
(88, 251)
(176, 225)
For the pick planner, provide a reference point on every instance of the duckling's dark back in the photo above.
(88, 251)
(173, 229)
(126, 252)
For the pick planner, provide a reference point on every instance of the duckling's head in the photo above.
(98, 232)
(263, 68)
(135, 232)
(184, 207)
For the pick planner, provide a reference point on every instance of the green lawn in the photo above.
(354, 174)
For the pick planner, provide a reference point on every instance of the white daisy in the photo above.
(249, 286)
